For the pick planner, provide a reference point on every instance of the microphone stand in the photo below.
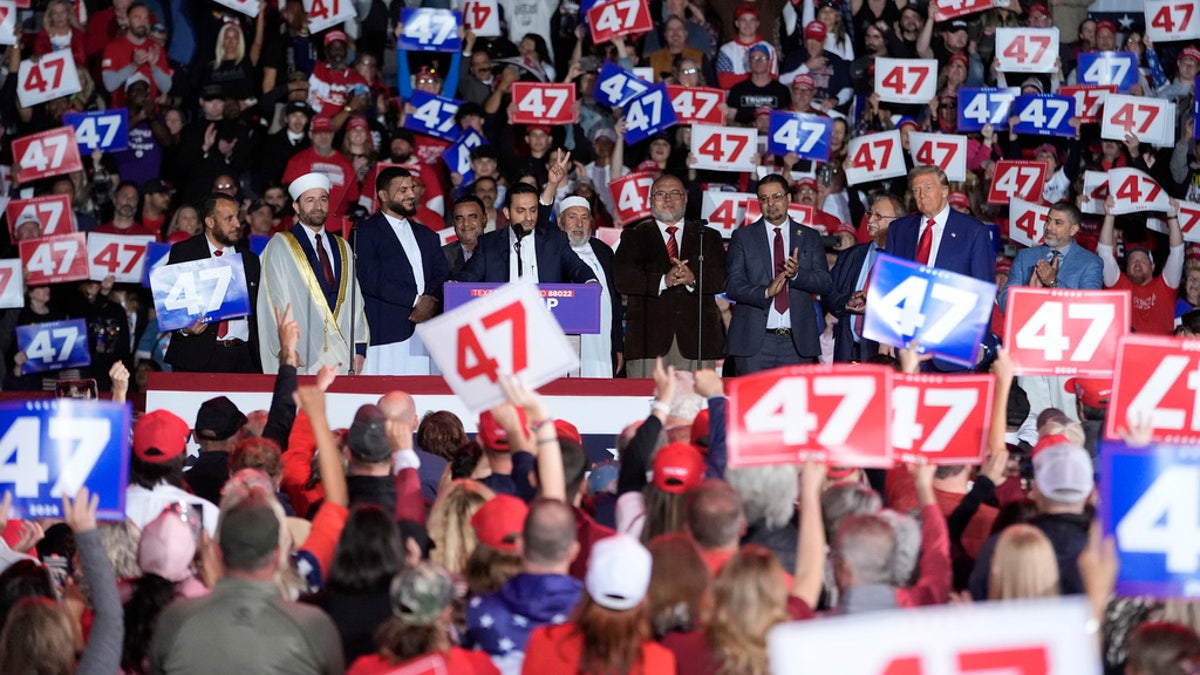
(353, 292)
(699, 297)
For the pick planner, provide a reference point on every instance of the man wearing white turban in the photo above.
(312, 271)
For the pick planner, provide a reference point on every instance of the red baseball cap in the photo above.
(568, 431)
(745, 8)
(499, 522)
(357, 123)
(1038, 9)
(321, 125)
(1189, 52)
(960, 198)
(538, 127)
(815, 30)
(700, 429)
(806, 181)
(159, 436)
(493, 436)
(1094, 392)
(335, 35)
(804, 80)
(678, 467)
(1106, 24)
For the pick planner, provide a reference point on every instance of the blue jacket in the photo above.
(385, 276)
(500, 623)
(1080, 269)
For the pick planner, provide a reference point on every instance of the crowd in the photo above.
(398, 542)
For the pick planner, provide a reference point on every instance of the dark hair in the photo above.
(775, 178)
(368, 553)
(463, 463)
(208, 208)
(129, 183)
(1074, 216)
(575, 463)
(441, 432)
(1018, 406)
(150, 474)
(520, 189)
(468, 199)
(1013, 513)
(151, 593)
(469, 108)
(714, 514)
(483, 152)
(257, 452)
(389, 174)
(539, 46)
(23, 579)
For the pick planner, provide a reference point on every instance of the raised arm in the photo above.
(810, 545)
(1106, 244)
(552, 480)
(311, 400)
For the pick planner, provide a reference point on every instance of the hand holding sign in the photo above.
(1134, 191)
(941, 419)
(906, 80)
(203, 290)
(1057, 332)
(54, 345)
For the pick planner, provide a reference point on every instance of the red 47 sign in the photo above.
(482, 17)
(1017, 178)
(697, 105)
(631, 194)
(1171, 20)
(1134, 191)
(1027, 221)
(947, 151)
(1055, 331)
(121, 255)
(950, 9)
(724, 148)
(1027, 50)
(1150, 119)
(906, 80)
(45, 154)
(1089, 99)
(508, 332)
(8, 23)
(941, 419)
(542, 103)
(49, 77)
(875, 157)
(324, 14)
(619, 17)
(828, 413)
(52, 212)
(53, 260)
(1158, 379)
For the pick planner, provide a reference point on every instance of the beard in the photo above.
(314, 218)
(397, 206)
(126, 211)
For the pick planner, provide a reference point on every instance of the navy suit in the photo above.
(750, 268)
(386, 278)
(1079, 269)
(965, 246)
(556, 262)
(846, 272)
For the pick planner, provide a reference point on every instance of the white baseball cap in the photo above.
(1063, 472)
(618, 572)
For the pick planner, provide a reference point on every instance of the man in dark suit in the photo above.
(939, 236)
(401, 269)
(508, 254)
(850, 274)
(600, 355)
(669, 270)
(774, 321)
(229, 346)
(468, 216)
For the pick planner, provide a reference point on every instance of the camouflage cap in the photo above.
(420, 593)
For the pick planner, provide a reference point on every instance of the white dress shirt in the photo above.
(408, 241)
(528, 256)
(776, 319)
(235, 329)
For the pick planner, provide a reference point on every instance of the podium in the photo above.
(576, 307)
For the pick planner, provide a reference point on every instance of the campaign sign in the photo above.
(52, 212)
(724, 148)
(1015, 637)
(648, 113)
(54, 345)
(801, 213)
(1027, 50)
(1059, 331)
(1151, 120)
(1089, 100)
(1116, 68)
(806, 135)
(1154, 379)
(1171, 20)
(46, 78)
(47, 153)
(12, 284)
(507, 332)
(941, 419)
(458, 157)
(1095, 192)
(952, 9)
(1150, 504)
(1044, 115)
(205, 290)
(725, 211)
(429, 30)
(825, 413)
(1189, 218)
(615, 85)
(631, 194)
(946, 151)
(247, 7)
(1023, 179)
(121, 256)
(980, 107)
(576, 307)
(945, 312)
(8, 22)
(158, 252)
(482, 17)
(543, 103)
(53, 447)
(1134, 191)
(697, 105)
(324, 14)
(106, 130)
(434, 116)
(906, 80)
(55, 260)
(619, 17)
(875, 157)
(1027, 221)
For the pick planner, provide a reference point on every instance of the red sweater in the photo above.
(556, 650)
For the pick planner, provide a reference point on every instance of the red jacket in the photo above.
(555, 650)
(42, 46)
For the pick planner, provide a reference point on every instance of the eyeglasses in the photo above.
(224, 186)
(760, 57)
(689, 71)
(878, 216)
(777, 197)
(662, 195)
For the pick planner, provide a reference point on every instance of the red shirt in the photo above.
(555, 650)
(1153, 305)
(119, 53)
(457, 661)
(329, 90)
(136, 229)
(336, 167)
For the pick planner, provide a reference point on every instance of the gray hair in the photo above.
(908, 546)
(846, 499)
(866, 546)
(768, 492)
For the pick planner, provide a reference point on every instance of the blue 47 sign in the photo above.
(1116, 68)
(429, 30)
(458, 156)
(945, 312)
(434, 116)
(52, 447)
(106, 130)
(206, 290)
(804, 134)
(1153, 511)
(980, 107)
(54, 345)
(615, 85)
(1044, 115)
(649, 113)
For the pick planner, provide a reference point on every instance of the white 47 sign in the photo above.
(509, 332)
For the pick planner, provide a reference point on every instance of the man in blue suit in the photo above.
(401, 270)
(774, 321)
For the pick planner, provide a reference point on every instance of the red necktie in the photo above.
(672, 247)
(323, 258)
(781, 298)
(925, 245)
(223, 327)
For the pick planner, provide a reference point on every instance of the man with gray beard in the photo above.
(600, 354)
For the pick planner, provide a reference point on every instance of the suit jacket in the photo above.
(454, 257)
(655, 319)
(965, 246)
(845, 274)
(606, 257)
(749, 269)
(385, 275)
(193, 352)
(1080, 269)
(556, 262)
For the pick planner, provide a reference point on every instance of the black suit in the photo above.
(845, 279)
(201, 353)
(556, 262)
(454, 257)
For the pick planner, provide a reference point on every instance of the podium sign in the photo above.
(576, 307)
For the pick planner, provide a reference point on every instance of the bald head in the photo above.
(398, 405)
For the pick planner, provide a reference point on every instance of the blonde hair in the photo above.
(680, 590)
(38, 638)
(450, 523)
(750, 596)
(1023, 565)
(72, 22)
(220, 51)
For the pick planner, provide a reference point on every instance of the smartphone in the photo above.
(76, 389)
(190, 514)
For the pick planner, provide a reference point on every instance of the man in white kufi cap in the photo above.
(600, 354)
(311, 271)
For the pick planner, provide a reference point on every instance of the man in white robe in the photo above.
(600, 354)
